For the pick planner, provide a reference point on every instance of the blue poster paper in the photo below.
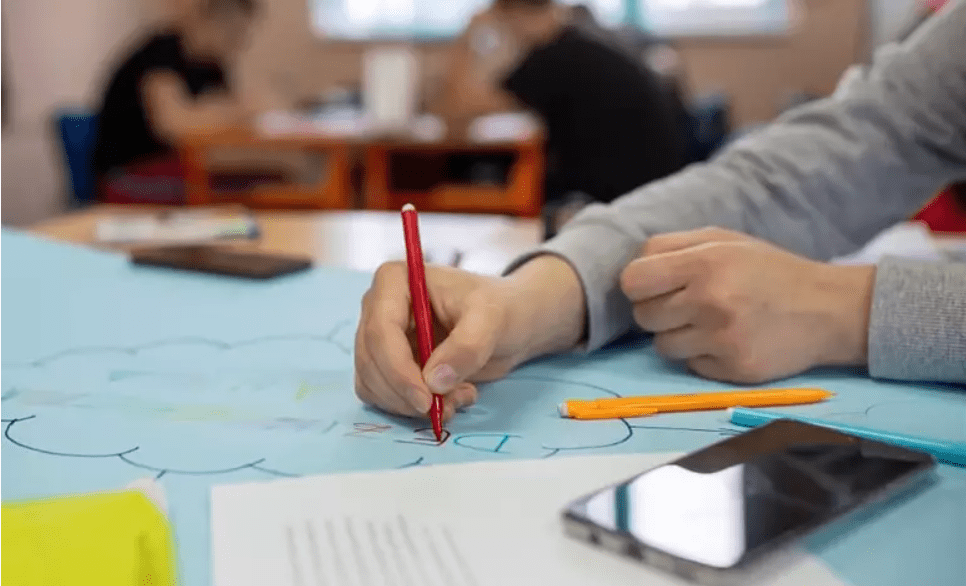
(113, 372)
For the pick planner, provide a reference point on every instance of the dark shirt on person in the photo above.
(124, 134)
(609, 126)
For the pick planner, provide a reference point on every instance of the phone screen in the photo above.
(726, 504)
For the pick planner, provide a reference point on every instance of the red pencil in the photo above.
(422, 313)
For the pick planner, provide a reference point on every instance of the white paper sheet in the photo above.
(179, 228)
(450, 525)
(911, 240)
(504, 126)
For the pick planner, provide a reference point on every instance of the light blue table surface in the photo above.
(112, 373)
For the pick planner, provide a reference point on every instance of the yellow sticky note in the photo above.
(102, 539)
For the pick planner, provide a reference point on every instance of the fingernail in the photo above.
(443, 378)
(420, 400)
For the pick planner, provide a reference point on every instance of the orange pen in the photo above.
(621, 407)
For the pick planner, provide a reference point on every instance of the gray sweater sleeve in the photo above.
(917, 329)
(820, 181)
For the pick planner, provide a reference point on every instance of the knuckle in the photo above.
(721, 235)
(389, 271)
(716, 300)
(661, 345)
(687, 298)
(372, 333)
(729, 346)
(715, 232)
(711, 254)
(486, 300)
(740, 362)
(363, 392)
(704, 261)
(501, 370)
(490, 305)
(699, 364)
(642, 316)
(748, 370)
(398, 380)
(673, 346)
(725, 254)
(653, 244)
(629, 278)
(498, 316)
(363, 368)
(493, 370)
(360, 356)
(464, 351)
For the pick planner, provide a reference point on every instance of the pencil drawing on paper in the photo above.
(252, 404)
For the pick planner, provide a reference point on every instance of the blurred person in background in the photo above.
(609, 126)
(174, 84)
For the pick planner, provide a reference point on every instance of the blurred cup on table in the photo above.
(390, 88)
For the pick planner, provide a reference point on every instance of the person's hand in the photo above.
(741, 310)
(483, 326)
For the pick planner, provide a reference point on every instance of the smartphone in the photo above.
(714, 515)
(221, 261)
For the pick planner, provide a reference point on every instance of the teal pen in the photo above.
(948, 452)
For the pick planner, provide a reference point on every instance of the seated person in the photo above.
(723, 262)
(174, 84)
(609, 128)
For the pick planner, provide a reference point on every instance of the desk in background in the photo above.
(357, 240)
(522, 195)
(332, 191)
(345, 141)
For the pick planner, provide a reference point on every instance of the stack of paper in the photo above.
(907, 240)
(508, 126)
(451, 525)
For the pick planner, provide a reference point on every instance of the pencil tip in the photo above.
(409, 208)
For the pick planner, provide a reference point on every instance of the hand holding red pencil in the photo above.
(484, 326)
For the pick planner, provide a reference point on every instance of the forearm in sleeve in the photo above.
(917, 328)
(820, 181)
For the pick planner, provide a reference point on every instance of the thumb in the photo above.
(467, 348)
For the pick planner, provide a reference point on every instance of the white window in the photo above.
(608, 12)
(714, 17)
(367, 19)
(362, 19)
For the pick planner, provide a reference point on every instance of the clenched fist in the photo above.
(738, 309)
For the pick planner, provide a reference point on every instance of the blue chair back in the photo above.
(78, 131)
